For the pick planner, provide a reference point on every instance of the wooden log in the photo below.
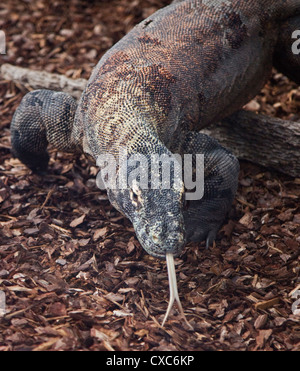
(264, 140)
(43, 80)
(267, 141)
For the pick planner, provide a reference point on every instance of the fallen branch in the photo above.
(266, 141)
(43, 80)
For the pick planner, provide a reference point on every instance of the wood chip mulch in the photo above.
(72, 273)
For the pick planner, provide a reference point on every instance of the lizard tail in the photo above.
(43, 117)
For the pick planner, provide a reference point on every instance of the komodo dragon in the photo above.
(190, 64)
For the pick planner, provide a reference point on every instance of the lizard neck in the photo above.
(127, 131)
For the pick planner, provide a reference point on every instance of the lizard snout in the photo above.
(166, 238)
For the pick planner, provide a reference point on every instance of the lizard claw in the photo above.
(210, 239)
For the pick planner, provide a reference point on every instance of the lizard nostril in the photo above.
(154, 238)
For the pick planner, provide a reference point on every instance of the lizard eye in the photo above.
(134, 197)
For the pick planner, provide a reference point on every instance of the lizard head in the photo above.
(156, 215)
(154, 208)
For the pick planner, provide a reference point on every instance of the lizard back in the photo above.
(167, 74)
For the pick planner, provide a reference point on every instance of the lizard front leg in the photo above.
(204, 217)
(43, 117)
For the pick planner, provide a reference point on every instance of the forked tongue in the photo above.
(173, 289)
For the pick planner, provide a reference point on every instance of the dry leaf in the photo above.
(100, 233)
(77, 221)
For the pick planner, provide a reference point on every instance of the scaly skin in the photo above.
(188, 65)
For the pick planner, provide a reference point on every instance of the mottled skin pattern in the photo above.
(188, 65)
